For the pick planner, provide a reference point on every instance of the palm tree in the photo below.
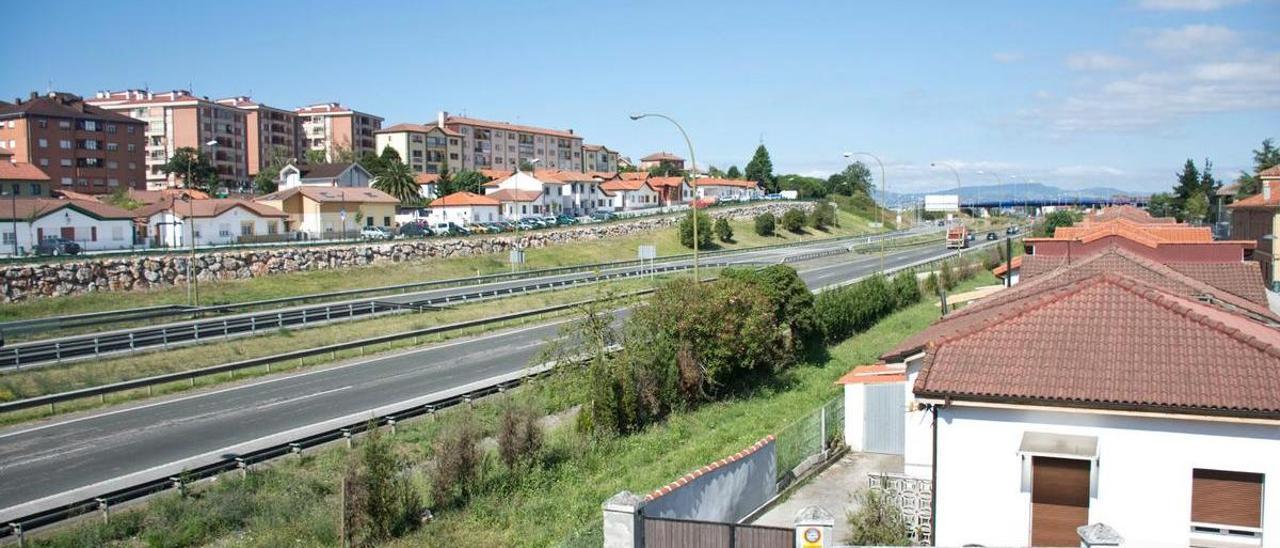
(397, 180)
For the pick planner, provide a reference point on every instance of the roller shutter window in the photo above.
(1226, 498)
(1059, 500)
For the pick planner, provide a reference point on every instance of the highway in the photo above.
(65, 460)
(121, 341)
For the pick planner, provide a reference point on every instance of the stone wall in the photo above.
(143, 272)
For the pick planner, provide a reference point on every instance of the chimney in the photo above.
(570, 131)
(440, 116)
(1266, 191)
(34, 95)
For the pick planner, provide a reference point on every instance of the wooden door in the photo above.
(69, 232)
(1059, 500)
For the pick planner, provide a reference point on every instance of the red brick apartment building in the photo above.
(82, 147)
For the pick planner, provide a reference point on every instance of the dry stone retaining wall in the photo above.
(20, 282)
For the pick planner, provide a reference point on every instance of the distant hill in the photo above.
(1013, 192)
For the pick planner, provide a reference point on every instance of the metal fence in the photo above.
(807, 442)
(682, 533)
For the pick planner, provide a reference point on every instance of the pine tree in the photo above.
(1263, 159)
(1188, 185)
(760, 169)
(733, 173)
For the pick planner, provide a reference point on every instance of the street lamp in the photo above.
(13, 201)
(959, 200)
(193, 285)
(693, 171)
(884, 200)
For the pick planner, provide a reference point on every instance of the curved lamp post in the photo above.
(693, 176)
(884, 201)
(959, 201)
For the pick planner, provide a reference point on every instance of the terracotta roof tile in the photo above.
(11, 171)
(1242, 278)
(206, 208)
(333, 194)
(662, 156)
(465, 199)
(513, 195)
(999, 271)
(463, 121)
(1273, 171)
(1110, 341)
(22, 209)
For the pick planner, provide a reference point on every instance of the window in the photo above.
(246, 228)
(368, 221)
(224, 230)
(64, 124)
(10, 238)
(386, 221)
(64, 144)
(113, 182)
(44, 162)
(42, 143)
(65, 162)
(82, 182)
(112, 164)
(132, 147)
(130, 130)
(1226, 502)
(36, 190)
(273, 227)
(111, 128)
(42, 123)
(133, 165)
(66, 181)
(112, 147)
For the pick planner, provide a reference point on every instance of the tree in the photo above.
(187, 162)
(316, 157)
(1264, 158)
(121, 199)
(1054, 220)
(1161, 204)
(765, 224)
(724, 232)
(855, 178)
(665, 170)
(372, 163)
(1197, 208)
(397, 180)
(519, 435)
(458, 461)
(760, 169)
(342, 153)
(715, 172)
(733, 173)
(822, 216)
(805, 187)
(1188, 184)
(877, 522)
(793, 220)
(792, 300)
(704, 230)
(381, 503)
(267, 179)
(465, 181)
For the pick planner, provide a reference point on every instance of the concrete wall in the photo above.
(725, 491)
(92, 234)
(1141, 482)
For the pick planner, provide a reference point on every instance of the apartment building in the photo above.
(269, 132)
(80, 147)
(331, 127)
(178, 119)
(424, 148)
(599, 158)
(503, 146)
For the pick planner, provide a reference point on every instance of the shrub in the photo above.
(793, 220)
(381, 503)
(723, 231)
(704, 230)
(906, 290)
(947, 276)
(822, 216)
(457, 461)
(793, 302)
(519, 435)
(765, 224)
(931, 283)
(853, 308)
(877, 522)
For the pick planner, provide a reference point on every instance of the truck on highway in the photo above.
(957, 237)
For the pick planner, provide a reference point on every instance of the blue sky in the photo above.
(1075, 94)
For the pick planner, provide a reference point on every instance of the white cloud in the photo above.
(1007, 57)
(1187, 5)
(1192, 39)
(1096, 61)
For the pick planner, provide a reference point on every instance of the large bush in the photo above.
(793, 220)
(704, 230)
(519, 435)
(793, 302)
(458, 461)
(724, 232)
(823, 216)
(906, 290)
(878, 522)
(765, 224)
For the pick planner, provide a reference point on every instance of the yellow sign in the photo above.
(812, 538)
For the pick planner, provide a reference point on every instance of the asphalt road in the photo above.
(99, 452)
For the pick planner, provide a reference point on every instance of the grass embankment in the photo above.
(319, 281)
(54, 379)
(296, 502)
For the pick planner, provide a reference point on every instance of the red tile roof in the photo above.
(1241, 278)
(153, 196)
(1000, 271)
(662, 156)
(1257, 201)
(1149, 234)
(23, 209)
(14, 171)
(874, 374)
(63, 105)
(1114, 261)
(333, 194)
(716, 181)
(458, 199)
(513, 195)
(206, 208)
(426, 178)
(1273, 171)
(624, 185)
(1126, 212)
(495, 174)
(662, 182)
(418, 128)
(1112, 342)
(634, 175)
(489, 124)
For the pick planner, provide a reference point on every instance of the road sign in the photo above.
(342, 213)
(942, 202)
(648, 252)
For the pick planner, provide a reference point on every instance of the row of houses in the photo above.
(512, 196)
(1125, 389)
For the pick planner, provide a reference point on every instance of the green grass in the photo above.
(319, 281)
(54, 379)
(294, 501)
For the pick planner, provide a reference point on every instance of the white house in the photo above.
(631, 194)
(427, 185)
(94, 225)
(1114, 392)
(342, 175)
(728, 190)
(215, 222)
(579, 194)
(523, 194)
(517, 204)
(464, 208)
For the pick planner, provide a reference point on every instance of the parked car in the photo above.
(549, 220)
(565, 220)
(376, 233)
(533, 221)
(57, 246)
(992, 236)
(603, 216)
(449, 229)
(414, 230)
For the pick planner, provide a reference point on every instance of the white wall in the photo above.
(642, 198)
(110, 234)
(728, 192)
(464, 215)
(917, 458)
(1142, 479)
(221, 230)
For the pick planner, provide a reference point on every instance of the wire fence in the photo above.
(803, 443)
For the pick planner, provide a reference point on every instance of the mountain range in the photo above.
(1012, 193)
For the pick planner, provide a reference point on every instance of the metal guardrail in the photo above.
(96, 346)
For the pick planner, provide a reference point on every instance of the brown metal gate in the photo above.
(683, 533)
